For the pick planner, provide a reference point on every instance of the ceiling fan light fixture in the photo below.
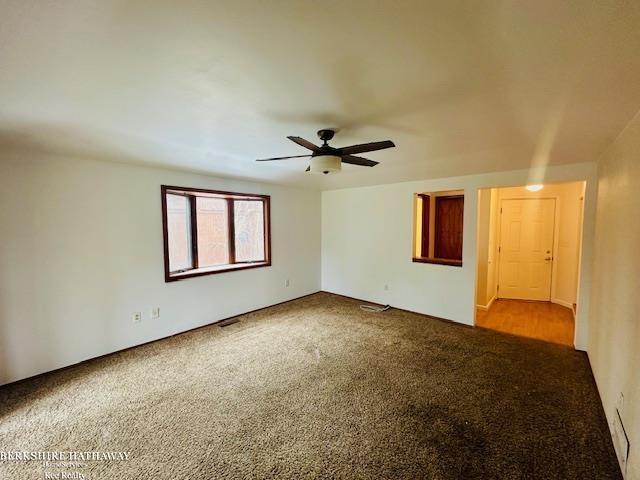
(326, 159)
(325, 164)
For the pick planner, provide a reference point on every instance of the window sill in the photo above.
(199, 272)
(439, 261)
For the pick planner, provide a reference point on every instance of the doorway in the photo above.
(529, 244)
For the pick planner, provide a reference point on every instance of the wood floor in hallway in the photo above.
(542, 320)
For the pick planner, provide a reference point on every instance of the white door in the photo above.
(526, 248)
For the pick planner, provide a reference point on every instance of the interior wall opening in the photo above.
(528, 261)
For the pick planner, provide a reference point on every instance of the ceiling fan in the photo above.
(325, 159)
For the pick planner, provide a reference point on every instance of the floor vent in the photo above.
(227, 322)
(620, 442)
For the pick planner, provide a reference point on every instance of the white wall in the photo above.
(488, 218)
(614, 346)
(492, 255)
(484, 227)
(568, 198)
(81, 250)
(367, 242)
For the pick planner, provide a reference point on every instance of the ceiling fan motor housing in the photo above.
(326, 134)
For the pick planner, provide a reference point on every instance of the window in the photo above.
(438, 224)
(207, 231)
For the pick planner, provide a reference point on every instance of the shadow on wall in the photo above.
(66, 140)
(73, 141)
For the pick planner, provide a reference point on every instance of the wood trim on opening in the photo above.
(425, 247)
(165, 232)
(231, 230)
(193, 226)
(426, 204)
(218, 193)
(438, 261)
(266, 205)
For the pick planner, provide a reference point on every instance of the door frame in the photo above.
(588, 181)
(556, 239)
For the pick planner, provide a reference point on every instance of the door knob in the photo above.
(548, 259)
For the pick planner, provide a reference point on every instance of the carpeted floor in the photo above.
(317, 388)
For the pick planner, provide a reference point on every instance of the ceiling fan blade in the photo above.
(280, 158)
(366, 147)
(364, 162)
(305, 143)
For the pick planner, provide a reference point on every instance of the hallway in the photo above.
(541, 320)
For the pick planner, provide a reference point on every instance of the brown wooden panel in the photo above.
(449, 213)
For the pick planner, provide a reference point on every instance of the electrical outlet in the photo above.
(386, 287)
(155, 313)
(287, 283)
(136, 317)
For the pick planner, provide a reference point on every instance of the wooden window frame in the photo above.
(424, 234)
(196, 271)
(427, 200)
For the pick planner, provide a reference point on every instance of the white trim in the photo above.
(489, 303)
(556, 246)
(607, 414)
(564, 303)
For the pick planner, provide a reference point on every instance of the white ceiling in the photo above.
(460, 87)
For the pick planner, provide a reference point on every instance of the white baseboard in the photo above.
(609, 413)
(488, 305)
(564, 303)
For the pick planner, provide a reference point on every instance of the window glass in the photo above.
(178, 231)
(213, 231)
(249, 230)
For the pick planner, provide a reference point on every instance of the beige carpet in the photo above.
(316, 388)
